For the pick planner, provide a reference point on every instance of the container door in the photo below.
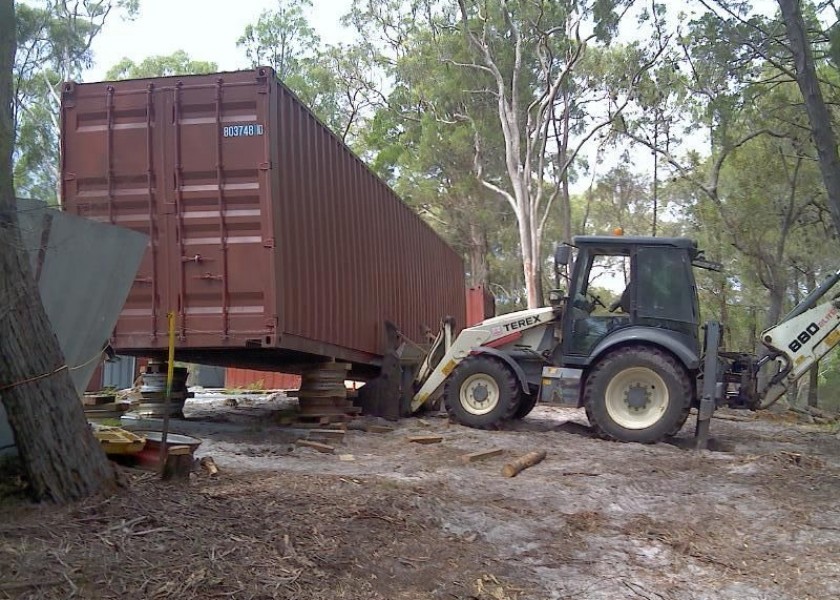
(220, 215)
(111, 166)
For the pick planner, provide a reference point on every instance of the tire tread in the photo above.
(592, 383)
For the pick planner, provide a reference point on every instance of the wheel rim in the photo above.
(637, 398)
(479, 394)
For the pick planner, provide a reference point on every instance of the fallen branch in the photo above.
(512, 469)
(21, 585)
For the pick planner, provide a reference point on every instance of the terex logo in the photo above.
(521, 323)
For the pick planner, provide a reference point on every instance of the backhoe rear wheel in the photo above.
(637, 394)
(482, 392)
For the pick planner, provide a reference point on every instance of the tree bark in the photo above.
(814, 374)
(62, 459)
(814, 386)
(818, 115)
(479, 272)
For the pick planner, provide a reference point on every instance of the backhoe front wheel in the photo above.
(526, 405)
(481, 393)
(637, 394)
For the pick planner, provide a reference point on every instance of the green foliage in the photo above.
(177, 63)
(53, 46)
(336, 82)
(282, 39)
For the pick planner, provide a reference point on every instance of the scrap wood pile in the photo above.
(271, 536)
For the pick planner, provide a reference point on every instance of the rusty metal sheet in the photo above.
(269, 236)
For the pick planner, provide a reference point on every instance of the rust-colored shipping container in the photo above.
(271, 242)
(481, 305)
(263, 380)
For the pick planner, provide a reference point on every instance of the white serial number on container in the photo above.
(251, 129)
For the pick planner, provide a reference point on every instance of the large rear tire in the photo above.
(637, 394)
(526, 405)
(481, 393)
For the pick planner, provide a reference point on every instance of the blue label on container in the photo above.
(244, 130)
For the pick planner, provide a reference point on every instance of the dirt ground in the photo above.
(386, 518)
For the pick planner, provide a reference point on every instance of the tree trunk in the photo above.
(565, 198)
(814, 373)
(479, 271)
(777, 300)
(62, 459)
(818, 115)
(526, 242)
(814, 385)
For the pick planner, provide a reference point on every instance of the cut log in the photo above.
(512, 469)
(325, 448)
(480, 455)
(208, 464)
(178, 463)
(426, 439)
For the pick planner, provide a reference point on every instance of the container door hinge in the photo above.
(266, 166)
(268, 243)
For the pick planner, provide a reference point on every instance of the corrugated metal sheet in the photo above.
(119, 373)
(264, 380)
(84, 271)
(270, 235)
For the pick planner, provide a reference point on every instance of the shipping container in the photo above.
(260, 380)
(481, 305)
(271, 242)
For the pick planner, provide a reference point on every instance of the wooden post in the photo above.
(170, 372)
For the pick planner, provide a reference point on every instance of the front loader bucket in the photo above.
(389, 395)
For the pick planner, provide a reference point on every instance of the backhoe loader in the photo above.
(637, 365)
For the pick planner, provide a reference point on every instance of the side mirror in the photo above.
(562, 253)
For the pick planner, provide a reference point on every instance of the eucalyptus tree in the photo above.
(545, 78)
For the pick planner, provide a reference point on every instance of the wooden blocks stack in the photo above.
(323, 396)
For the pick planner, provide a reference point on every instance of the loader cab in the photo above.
(629, 288)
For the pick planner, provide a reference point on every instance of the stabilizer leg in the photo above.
(711, 390)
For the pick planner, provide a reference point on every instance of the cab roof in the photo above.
(621, 242)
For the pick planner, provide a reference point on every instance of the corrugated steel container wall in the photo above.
(481, 305)
(265, 380)
(267, 231)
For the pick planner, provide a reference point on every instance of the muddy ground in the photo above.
(386, 518)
